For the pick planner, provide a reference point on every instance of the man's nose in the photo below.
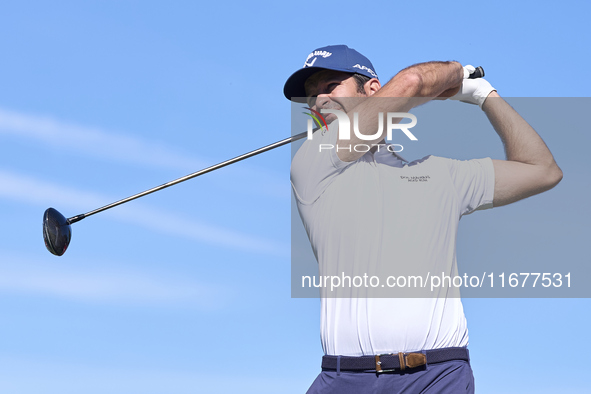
(323, 100)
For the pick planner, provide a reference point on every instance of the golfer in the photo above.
(368, 210)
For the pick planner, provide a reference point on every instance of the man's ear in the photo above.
(372, 86)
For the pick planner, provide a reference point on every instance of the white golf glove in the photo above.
(468, 70)
(474, 91)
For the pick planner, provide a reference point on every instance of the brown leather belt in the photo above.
(394, 361)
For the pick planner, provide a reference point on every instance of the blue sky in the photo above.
(188, 290)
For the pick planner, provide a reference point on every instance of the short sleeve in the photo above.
(315, 165)
(474, 182)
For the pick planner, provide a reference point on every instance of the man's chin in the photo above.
(329, 118)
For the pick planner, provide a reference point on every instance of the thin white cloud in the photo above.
(25, 189)
(71, 138)
(106, 285)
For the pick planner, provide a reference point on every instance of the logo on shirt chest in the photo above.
(418, 178)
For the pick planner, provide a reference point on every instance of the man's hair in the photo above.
(361, 80)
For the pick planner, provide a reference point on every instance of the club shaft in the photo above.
(190, 176)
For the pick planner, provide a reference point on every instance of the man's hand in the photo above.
(473, 91)
(468, 71)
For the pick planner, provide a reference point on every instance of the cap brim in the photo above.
(294, 86)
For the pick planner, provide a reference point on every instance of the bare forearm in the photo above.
(530, 167)
(415, 85)
(409, 88)
(520, 140)
(426, 80)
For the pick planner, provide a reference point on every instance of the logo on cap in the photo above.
(315, 55)
(369, 70)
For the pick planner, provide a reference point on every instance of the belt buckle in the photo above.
(410, 360)
(379, 369)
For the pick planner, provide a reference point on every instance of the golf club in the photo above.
(478, 73)
(57, 231)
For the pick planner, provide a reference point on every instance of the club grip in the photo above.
(478, 73)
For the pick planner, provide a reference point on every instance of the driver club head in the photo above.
(56, 232)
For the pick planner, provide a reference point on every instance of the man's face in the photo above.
(330, 89)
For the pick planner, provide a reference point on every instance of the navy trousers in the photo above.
(450, 377)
